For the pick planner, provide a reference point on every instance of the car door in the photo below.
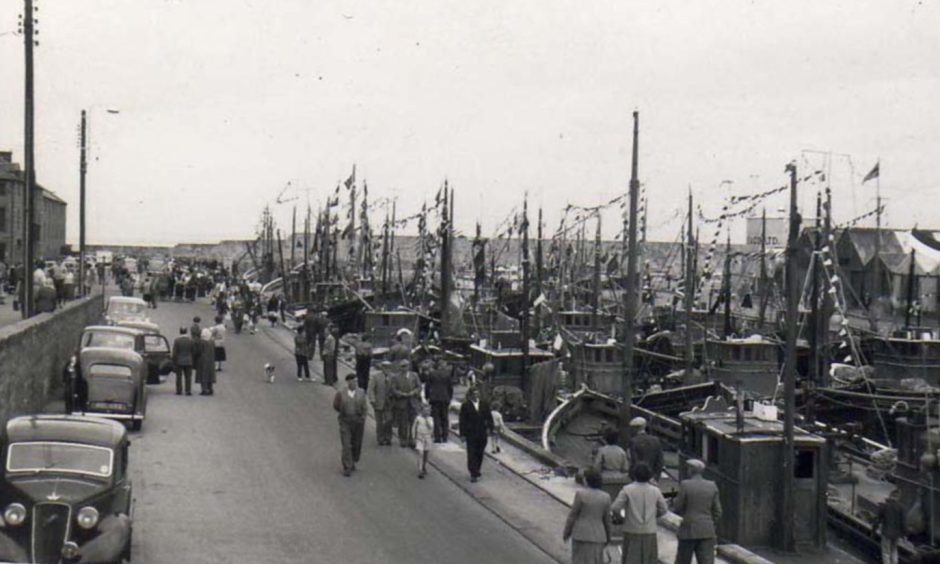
(157, 354)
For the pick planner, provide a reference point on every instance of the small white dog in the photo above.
(269, 372)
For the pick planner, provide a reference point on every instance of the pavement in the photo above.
(253, 474)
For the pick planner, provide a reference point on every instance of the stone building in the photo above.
(49, 216)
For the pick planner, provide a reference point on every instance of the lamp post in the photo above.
(82, 169)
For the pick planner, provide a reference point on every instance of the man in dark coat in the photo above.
(363, 360)
(476, 424)
(439, 390)
(892, 521)
(350, 406)
(205, 371)
(183, 361)
(328, 353)
(699, 506)
(645, 448)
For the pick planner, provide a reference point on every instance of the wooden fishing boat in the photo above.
(750, 363)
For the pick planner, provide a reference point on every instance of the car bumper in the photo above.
(105, 415)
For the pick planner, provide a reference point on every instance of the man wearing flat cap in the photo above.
(645, 448)
(350, 405)
(699, 506)
(405, 391)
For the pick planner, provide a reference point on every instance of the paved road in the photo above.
(253, 475)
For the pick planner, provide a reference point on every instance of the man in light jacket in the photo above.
(381, 404)
(699, 506)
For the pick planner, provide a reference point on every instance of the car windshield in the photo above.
(126, 308)
(111, 340)
(59, 457)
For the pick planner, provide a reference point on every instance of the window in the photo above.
(711, 450)
(804, 465)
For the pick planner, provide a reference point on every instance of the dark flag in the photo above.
(873, 173)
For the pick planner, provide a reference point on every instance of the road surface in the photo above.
(253, 474)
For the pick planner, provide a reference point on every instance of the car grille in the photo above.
(50, 530)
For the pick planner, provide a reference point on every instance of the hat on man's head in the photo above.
(404, 362)
(350, 376)
(695, 465)
(638, 422)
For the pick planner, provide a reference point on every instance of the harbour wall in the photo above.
(33, 353)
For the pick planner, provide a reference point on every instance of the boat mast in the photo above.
(910, 292)
(630, 293)
(689, 291)
(596, 297)
(445, 263)
(726, 290)
(764, 294)
(877, 269)
(815, 313)
(525, 295)
(789, 374)
(385, 253)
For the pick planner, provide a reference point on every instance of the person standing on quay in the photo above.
(328, 356)
(363, 360)
(643, 504)
(205, 373)
(699, 506)
(892, 521)
(645, 448)
(406, 393)
(300, 355)
(183, 362)
(476, 424)
(218, 339)
(588, 524)
(439, 390)
(350, 405)
(381, 404)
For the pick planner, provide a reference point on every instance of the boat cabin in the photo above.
(599, 366)
(507, 362)
(745, 462)
(909, 353)
(581, 322)
(749, 363)
(383, 325)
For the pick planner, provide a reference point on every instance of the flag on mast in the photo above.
(873, 173)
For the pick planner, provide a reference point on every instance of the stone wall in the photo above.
(34, 351)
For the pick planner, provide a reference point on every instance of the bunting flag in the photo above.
(351, 181)
(873, 173)
(852, 222)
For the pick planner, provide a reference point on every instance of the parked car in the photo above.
(110, 383)
(123, 308)
(156, 349)
(65, 493)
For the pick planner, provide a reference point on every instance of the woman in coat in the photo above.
(205, 362)
(588, 525)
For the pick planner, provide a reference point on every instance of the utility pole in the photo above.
(29, 172)
(630, 292)
(82, 169)
(689, 292)
(789, 373)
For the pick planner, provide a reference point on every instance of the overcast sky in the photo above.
(223, 102)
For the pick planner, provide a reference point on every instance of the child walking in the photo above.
(498, 425)
(423, 432)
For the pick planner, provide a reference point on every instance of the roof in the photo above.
(864, 239)
(755, 430)
(66, 428)
(126, 300)
(111, 355)
(145, 326)
(112, 329)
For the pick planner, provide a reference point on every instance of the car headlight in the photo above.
(87, 517)
(14, 514)
(70, 550)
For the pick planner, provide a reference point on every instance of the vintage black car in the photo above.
(65, 495)
(110, 383)
(135, 336)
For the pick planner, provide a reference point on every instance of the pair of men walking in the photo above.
(194, 352)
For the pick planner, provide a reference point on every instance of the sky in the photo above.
(225, 104)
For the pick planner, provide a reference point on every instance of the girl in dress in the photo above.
(423, 432)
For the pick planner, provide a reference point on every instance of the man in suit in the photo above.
(645, 448)
(405, 391)
(439, 389)
(350, 405)
(183, 360)
(363, 360)
(699, 506)
(476, 424)
(328, 356)
(381, 404)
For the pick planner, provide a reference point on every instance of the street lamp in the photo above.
(83, 168)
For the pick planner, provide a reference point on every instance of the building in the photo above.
(49, 216)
